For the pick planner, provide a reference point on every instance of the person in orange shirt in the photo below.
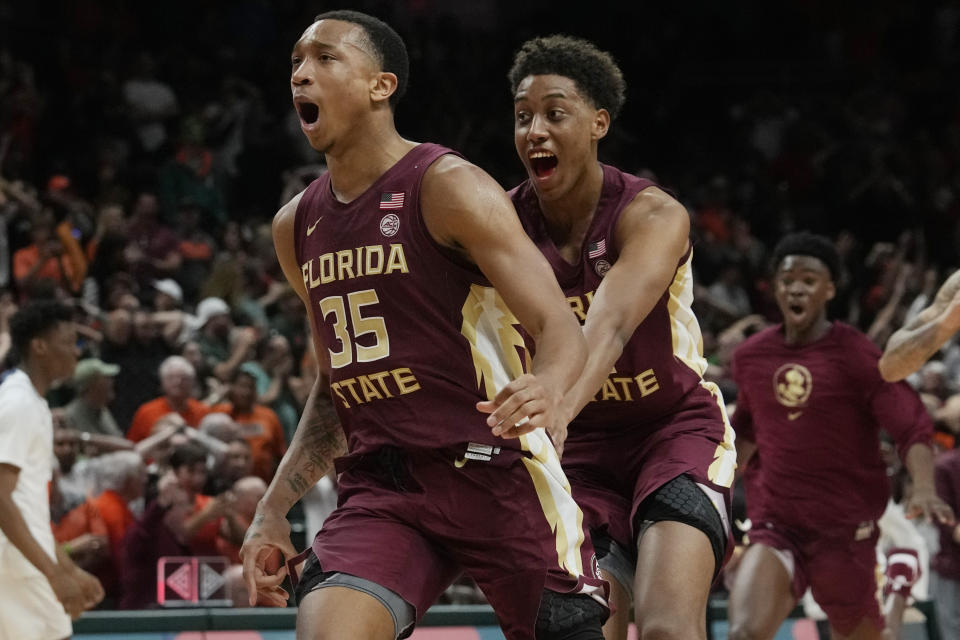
(54, 255)
(258, 424)
(177, 378)
(101, 522)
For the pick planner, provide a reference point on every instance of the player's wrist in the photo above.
(956, 533)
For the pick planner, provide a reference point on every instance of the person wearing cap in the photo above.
(168, 296)
(89, 411)
(223, 346)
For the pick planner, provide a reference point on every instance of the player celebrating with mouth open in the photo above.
(649, 452)
(412, 264)
(810, 405)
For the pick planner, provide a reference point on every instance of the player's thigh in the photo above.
(761, 597)
(345, 614)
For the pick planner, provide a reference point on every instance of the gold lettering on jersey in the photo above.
(353, 392)
(619, 388)
(647, 383)
(396, 261)
(580, 305)
(406, 381)
(369, 391)
(373, 265)
(346, 264)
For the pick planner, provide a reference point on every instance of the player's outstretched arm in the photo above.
(316, 443)
(912, 345)
(924, 500)
(465, 209)
(652, 236)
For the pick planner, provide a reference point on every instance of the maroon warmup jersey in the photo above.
(657, 380)
(416, 338)
(814, 412)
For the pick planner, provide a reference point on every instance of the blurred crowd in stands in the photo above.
(144, 149)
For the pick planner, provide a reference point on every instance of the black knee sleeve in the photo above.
(681, 500)
(566, 616)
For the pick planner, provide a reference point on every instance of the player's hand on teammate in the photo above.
(267, 534)
(925, 502)
(520, 407)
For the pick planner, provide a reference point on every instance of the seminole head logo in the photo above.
(792, 384)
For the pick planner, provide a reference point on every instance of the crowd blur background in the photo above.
(144, 148)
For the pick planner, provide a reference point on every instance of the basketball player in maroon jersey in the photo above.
(911, 346)
(411, 263)
(649, 451)
(810, 405)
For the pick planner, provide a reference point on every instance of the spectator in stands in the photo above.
(168, 295)
(945, 578)
(235, 463)
(46, 258)
(197, 247)
(151, 103)
(101, 522)
(89, 411)
(177, 378)
(73, 480)
(223, 347)
(258, 424)
(278, 385)
(139, 355)
(152, 250)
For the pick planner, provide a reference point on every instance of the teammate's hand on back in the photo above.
(268, 533)
(925, 502)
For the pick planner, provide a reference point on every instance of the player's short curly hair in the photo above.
(804, 243)
(595, 72)
(388, 46)
(35, 320)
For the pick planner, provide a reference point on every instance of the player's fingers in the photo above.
(945, 514)
(268, 581)
(249, 569)
(517, 414)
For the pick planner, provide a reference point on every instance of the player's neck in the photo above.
(354, 165)
(799, 336)
(40, 379)
(568, 217)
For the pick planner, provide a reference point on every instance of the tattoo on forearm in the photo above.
(317, 442)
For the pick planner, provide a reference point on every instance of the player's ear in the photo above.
(601, 124)
(831, 290)
(382, 86)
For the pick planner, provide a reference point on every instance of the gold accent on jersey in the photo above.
(556, 500)
(792, 385)
(375, 386)
(684, 328)
(724, 465)
(495, 343)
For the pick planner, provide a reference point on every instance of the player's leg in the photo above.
(902, 572)
(621, 603)
(843, 581)
(682, 541)
(761, 597)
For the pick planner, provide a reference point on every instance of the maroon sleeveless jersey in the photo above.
(662, 364)
(415, 337)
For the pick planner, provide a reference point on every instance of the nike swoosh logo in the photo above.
(313, 226)
(794, 415)
(459, 462)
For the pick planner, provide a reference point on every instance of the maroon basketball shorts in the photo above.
(413, 521)
(840, 568)
(613, 473)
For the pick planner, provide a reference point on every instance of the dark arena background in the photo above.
(762, 118)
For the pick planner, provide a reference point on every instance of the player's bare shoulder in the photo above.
(653, 214)
(454, 192)
(285, 218)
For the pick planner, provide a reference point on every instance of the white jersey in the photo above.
(26, 442)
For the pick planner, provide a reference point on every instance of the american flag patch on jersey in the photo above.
(391, 200)
(597, 249)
